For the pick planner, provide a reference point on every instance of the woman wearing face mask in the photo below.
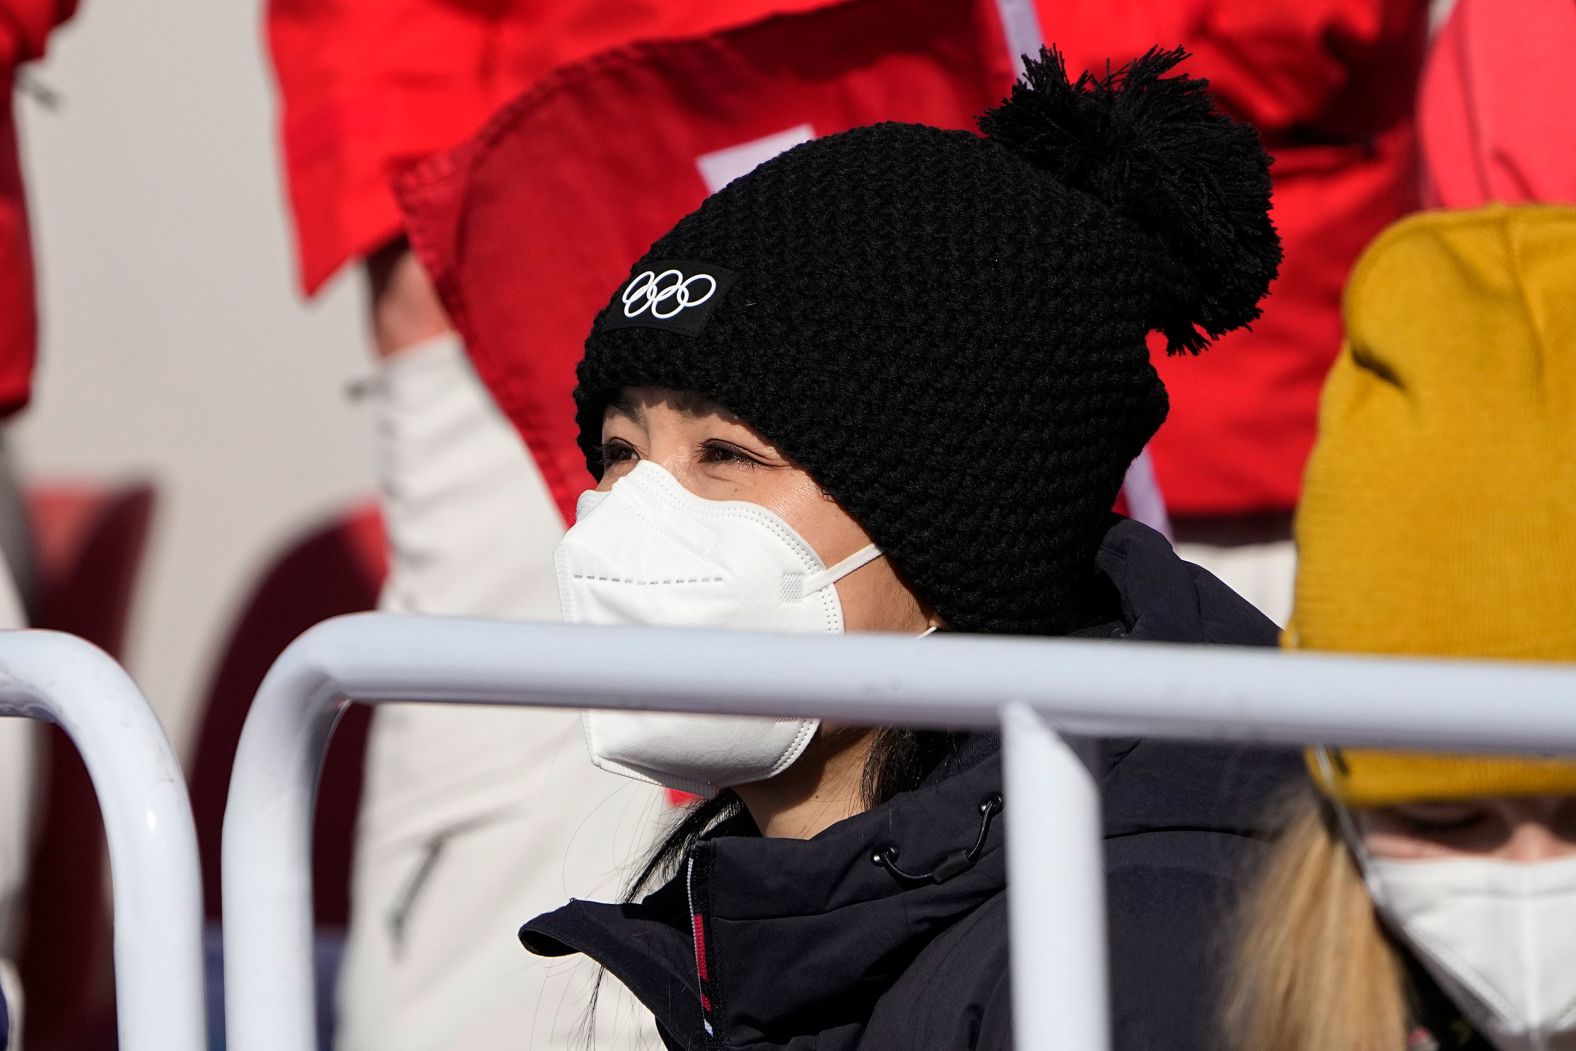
(891, 381)
(1415, 901)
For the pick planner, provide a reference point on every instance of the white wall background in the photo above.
(175, 346)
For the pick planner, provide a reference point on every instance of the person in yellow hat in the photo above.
(1428, 901)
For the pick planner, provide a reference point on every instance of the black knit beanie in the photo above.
(947, 331)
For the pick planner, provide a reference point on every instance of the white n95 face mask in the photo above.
(651, 552)
(1498, 936)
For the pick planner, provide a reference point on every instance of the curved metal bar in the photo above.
(157, 887)
(1078, 687)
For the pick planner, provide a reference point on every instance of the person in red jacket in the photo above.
(1330, 86)
(25, 26)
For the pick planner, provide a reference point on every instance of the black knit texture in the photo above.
(948, 331)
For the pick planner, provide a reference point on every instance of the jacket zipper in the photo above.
(698, 932)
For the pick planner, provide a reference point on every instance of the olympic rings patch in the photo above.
(674, 295)
(650, 290)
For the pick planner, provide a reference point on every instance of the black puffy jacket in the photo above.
(807, 944)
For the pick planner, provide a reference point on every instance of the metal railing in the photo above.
(1034, 690)
(157, 888)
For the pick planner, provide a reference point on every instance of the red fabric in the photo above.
(24, 31)
(1330, 85)
(367, 83)
(1494, 110)
(527, 227)
(18, 308)
(25, 26)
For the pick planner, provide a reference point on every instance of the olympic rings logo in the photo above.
(665, 294)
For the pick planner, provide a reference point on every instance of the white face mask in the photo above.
(651, 552)
(1498, 936)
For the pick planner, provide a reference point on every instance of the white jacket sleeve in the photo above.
(473, 820)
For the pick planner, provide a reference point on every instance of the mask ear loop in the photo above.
(1349, 829)
(832, 574)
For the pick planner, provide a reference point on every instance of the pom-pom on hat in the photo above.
(948, 330)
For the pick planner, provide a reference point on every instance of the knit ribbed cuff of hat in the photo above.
(1363, 777)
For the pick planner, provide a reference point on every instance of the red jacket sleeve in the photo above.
(1290, 65)
(366, 85)
(25, 26)
(1330, 84)
(1487, 136)
(24, 29)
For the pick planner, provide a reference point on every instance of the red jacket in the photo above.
(1328, 82)
(24, 28)
(527, 226)
(1491, 136)
(1330, 86)
(367, 84)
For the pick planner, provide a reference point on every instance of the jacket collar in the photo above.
(797, 939)
(1154, 596)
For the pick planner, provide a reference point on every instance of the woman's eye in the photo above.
(617, 452)
(1442, 818)
(723, 452)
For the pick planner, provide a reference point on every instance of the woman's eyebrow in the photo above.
(624, 404)
(693, 405)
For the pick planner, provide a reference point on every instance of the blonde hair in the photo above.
(1310, 969)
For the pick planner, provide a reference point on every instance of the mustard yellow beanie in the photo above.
(1439, 509)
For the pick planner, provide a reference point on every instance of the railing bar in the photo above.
(1055, 883)
(1083, 688)
(155, 880)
